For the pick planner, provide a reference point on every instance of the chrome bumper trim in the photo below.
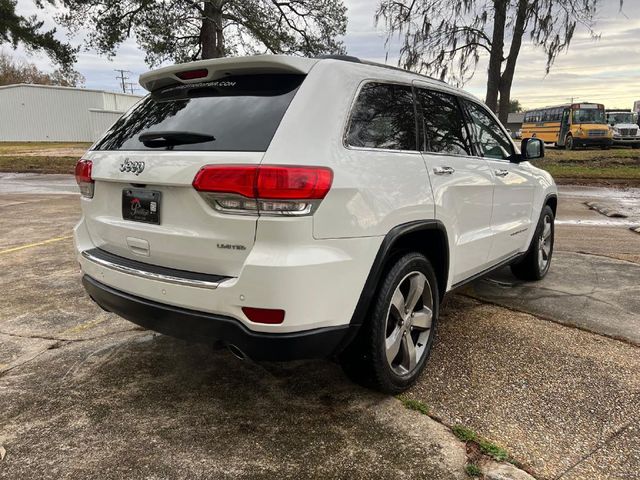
(149, 275)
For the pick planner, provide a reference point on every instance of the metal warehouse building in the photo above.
(41, 113)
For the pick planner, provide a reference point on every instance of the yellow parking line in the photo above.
(37, 244)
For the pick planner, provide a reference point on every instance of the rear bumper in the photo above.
(209, 328)
(284, 270)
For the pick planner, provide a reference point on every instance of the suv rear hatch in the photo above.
(144, 206)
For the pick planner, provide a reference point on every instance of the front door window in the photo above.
(493, 141)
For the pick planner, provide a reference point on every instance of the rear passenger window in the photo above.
(493, 142)
(383, 117)
(444, 127)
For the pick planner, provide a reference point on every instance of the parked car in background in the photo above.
(289, 207)
(570, 126)
(624, 127)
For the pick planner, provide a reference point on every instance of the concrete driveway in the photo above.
(87, 394)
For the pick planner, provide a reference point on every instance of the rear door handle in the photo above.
(501, 173)
(443, 170)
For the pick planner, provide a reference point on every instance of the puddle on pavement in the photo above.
(35, 183)
(605, 222)
(626, 201)
(612, 194)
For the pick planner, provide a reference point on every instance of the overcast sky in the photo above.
(605, 70)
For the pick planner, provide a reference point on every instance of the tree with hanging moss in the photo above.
(446, 37)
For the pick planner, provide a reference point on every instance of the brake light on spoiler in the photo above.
(193, 74)
(264, 189)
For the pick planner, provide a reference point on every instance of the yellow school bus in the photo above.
(570, 126)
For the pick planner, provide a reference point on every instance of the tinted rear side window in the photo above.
(444, 125)
(383, 117)
(241, 112)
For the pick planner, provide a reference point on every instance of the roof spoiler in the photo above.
(213, 69)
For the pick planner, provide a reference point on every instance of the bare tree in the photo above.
(445, 37)
(182, 30)
(19, 71)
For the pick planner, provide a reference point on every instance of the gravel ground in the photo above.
(560, 400)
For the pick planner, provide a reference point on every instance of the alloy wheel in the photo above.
(409, 322)
(544, 245)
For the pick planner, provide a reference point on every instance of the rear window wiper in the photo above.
(172, 138)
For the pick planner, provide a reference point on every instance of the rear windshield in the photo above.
(240, 112)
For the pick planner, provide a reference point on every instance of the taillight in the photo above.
(298, 183)
(227, 179)
(264, 189)
(83, 177)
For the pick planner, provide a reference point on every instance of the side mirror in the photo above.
(531, 148)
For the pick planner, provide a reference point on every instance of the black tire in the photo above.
(568, 143)
(365, 360)
(530, 267)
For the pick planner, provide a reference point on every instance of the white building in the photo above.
(43, 113)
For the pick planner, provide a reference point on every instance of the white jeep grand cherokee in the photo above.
(293, 208)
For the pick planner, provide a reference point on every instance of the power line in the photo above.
(122, 78)
(132, 87)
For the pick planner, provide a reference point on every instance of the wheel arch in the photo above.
(552, 201)
(428, 237)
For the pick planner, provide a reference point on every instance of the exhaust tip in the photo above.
(236, 352)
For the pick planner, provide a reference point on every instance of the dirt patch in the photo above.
(20, 148)
(38, 164)
(41, 157)
(48, 152)
(597, 182)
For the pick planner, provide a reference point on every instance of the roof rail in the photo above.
(350, 58)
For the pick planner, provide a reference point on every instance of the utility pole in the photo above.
(122, 78)
(132, 87)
